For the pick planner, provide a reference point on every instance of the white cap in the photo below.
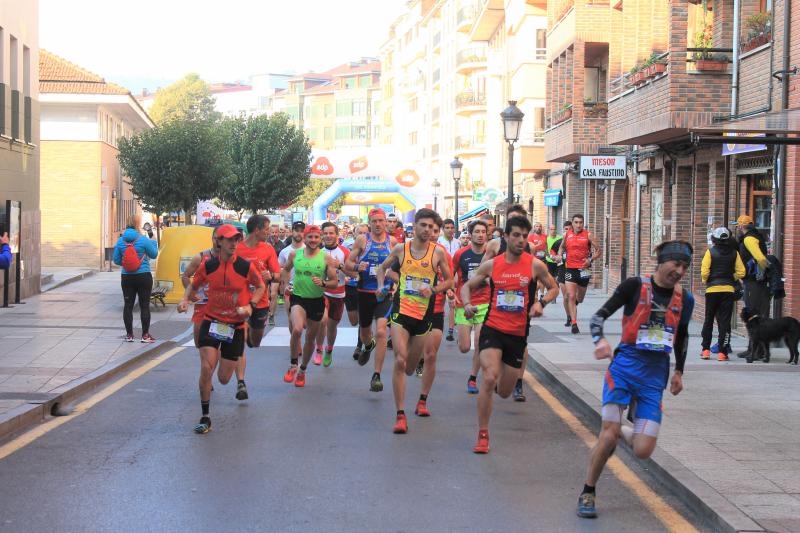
(721, 234)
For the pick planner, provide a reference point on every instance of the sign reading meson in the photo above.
(603, 167)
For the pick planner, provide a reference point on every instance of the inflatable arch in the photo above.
(362, 192)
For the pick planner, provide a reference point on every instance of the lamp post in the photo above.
(455, 168)
(435, 186)
(512, 121)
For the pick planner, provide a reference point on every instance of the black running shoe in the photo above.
(519, 394)
(241, 391)
(356, 354)
(363, 357)
(204, 426)
(568, 323)
(450, 337)
(575, 329)
(420, 368)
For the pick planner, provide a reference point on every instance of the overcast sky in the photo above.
(148, 43)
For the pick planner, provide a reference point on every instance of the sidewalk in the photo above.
(730, 438)
(64, 334)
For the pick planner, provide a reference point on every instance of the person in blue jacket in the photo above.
(5, 252)
(138, 281)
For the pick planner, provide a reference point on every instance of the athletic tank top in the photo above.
(304, 269)
(577, 248)
(351, 282)
(415, 275)
(374, 254)
(438, 306)
(538, 245)
(466, 263)
(339, 254)
(202, 293)
(512, 293)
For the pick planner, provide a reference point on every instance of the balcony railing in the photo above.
(531, 137)
(471, 55)
(469, 99)
(470, 143)
(562, 8)
(628, 81)
(540, 54)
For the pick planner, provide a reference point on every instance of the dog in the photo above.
(762, 331)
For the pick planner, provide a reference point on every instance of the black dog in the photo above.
(762, 331)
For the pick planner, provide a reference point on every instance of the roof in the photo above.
(57, 75)
(216, 88)
(322, 88)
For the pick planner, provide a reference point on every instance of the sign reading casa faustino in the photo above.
(603, 167)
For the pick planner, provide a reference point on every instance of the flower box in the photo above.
(754, 42)
(655, 69)
(563, 115)
(711, 65)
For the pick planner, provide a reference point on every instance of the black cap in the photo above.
(298, 225)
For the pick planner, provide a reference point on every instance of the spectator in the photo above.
(275, 238)
(5, 252)
(297, 225)
(448, 237)
(464, 238)
(133, 252)
(753, 250)
(721, 269)
(399, 233)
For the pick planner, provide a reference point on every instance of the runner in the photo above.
(466, 261)
(314, 272)
(513, 277)
(581, 251)
(277, 243)
(655, 322)
(420, 259)
(538, 240)
(200, 296)
(370, 250)
(230, 303)
(296, 238)
(561, 258)
(451, 244)
(552, 246)
(334, 299)
(351, 290)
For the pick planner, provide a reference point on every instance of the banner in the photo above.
(603, 167)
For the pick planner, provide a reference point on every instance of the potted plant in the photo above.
(655, 65)
(712, 62)
(759, 31)
(635, 75)
(564, 114)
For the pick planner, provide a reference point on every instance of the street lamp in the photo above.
(512, 121)
(455, 168)
(435, 186)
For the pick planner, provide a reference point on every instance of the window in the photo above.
(412, 138)
(342, 133)
(538, 124)
(541, 44)
(359, 108)
(350, 83)
(344, 108)
(761, 202)
(364, 81)
(328, 110)
(328, 134)
(15, 96)
(765, 6)
(26, 92)
(358, 133)
(591, 87)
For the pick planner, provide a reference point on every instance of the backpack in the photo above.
(775, 279)
(130, 259)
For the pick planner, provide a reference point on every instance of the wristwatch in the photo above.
(543, 303)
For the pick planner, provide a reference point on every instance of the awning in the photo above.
(777, 124)
(478, 211)
(552, 197)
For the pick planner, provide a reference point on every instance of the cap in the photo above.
(391, 216)
(376, 211)
(228, 231)
(313, 228)
(465, 233)
(721, 234)
(298, 225)
(744, 220)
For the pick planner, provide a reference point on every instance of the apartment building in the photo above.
(20, 213)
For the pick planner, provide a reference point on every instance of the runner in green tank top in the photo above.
(314, 271)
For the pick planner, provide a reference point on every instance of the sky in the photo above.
(150, 43)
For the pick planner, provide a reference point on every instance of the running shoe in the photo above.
(482, 446)
(366, 351)
(281, 301)
(300, 380)
(356, 354)
(422, 409)
(327, 359)
(586, 505)
(317, 357)
(400, 425)
(721, 356)
(271, 321)
(129, 338)
(375, 385)
(568, 323)
(472, 386)
(288, 377)
(705, 354)
(204, 426)
(148, 339)
(575, 329)
(519, 394)
(241, 391)
(420, 368)
(450, 337)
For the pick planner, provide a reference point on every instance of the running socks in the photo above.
(400, 412)
(423, 397)
(303, 368)
(294, 360)
(205, 407)
(329, 348)
(472, 378)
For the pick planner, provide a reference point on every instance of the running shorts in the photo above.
(414, 326)
(641, 377)
(258, 320)
(335, 307)
(560, 276)
(512, 346)
(350, 298)
(478, 318)
(552, 268)
(314, 307)
(437, 321)
(231, 351)
(369, 308)
(574, 275)
(199, 313)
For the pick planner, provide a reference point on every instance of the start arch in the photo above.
(362, 192)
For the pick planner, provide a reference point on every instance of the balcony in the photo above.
(470, 59)
(530, 158)
(466, 17)
(470, 146)
(469, 102)
(574, 131)
(489, 17)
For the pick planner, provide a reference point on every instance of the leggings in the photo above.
(133, 284)
(719, 306)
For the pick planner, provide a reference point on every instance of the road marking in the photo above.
(44, 428)
(668, 516)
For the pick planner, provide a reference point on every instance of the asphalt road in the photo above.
(312, 459)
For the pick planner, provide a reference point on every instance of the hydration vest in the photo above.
(635, 330)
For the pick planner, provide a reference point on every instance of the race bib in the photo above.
(414, 285)
(510, 301)
(221, 331)
(655, 337)
(540, 254)
(586, 273)
(471, 273)
(373, 270)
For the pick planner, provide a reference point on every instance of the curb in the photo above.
(24, 416)
(73, 279)
(695, 493)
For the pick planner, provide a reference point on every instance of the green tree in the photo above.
(270, 162)
(174, 165)
(315, 188)
(188, 98)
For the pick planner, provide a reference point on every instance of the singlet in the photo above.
(264, 258)
(512, 294)
(304, 269)
(538, 245)
(339, 255)
(553, 244)
(374, 254)
(438, 306)
(228, 286)
(577, 248)
(415, 275)
(201, 291)
(284, 256)
(466, 262)
(351, 282)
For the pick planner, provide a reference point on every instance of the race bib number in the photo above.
(221, 331)
(540, 254)
(586, 273)
(510, 301)
(471, 273)
(414, 286)
(373, 270)
(655, 337)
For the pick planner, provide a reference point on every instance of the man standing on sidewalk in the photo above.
(655, 323)
(753, 250)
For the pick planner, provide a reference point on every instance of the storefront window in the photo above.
(761, 203)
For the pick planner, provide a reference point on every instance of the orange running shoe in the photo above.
(705, 354)
(721, 356)
(401, 425)
(422, 409)
(288, 377)
(483, 442)
(300, 380)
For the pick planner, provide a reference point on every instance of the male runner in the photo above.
(200, 296)
(553, 244)
(296, 238)
(581, 251)
(466, 261)
(513, 277)
(314, 272)
(256, 250)
(655, 322)
(370, 250)
(420, 260)
(449, 240)
(351, 290)
(277, 243)
(334, 299)
(230, 303)
(561, 259)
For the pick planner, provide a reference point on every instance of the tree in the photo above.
(315, 188)
(270, 162)
(188, 98)
(174, 165)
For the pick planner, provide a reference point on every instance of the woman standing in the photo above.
(133, 252)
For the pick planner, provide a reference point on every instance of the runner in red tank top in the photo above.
(581, 250)
(513, 278)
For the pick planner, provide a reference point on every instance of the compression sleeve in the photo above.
(627, 291)
(682, 335)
